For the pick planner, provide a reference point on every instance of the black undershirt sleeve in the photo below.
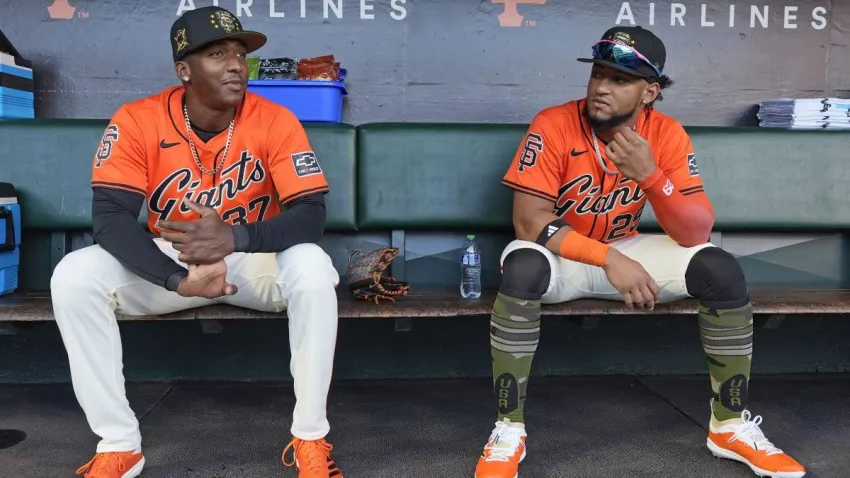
(301, 221)
(115, 215)
(116, 229)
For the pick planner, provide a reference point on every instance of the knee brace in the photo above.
(525, 274)
(716, 279)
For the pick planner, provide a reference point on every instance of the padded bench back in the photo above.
(434, 176)
(49, 162)
(447, 176)
(769, 179)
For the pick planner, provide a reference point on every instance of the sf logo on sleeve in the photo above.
(104, 151)
(533, 147)
(306, 164)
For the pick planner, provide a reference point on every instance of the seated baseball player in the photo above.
(235, 204)
(582, 176)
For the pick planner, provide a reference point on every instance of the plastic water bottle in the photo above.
(470, 269)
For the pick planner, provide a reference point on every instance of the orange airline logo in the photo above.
(511, 17)
(63, 10)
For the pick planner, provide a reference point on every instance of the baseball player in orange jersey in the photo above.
(235, 202)
(581, 179)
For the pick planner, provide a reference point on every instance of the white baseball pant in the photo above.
(89, 286)
(664, 260)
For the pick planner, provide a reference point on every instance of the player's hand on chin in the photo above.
(206, 280)
(631, 153)
(205, 241)
(631, 280)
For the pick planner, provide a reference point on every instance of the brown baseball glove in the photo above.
(366, 279)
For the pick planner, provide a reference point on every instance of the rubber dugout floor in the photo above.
(578, 427)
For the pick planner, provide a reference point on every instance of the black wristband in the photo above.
(550, 230)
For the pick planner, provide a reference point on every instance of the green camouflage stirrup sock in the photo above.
(727, 339)
(514, 334)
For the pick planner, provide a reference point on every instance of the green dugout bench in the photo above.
(779, 197)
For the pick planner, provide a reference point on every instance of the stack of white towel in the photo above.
(805, 113)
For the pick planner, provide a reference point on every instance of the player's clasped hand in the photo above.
(205, 241)
(206, 280)
(631, 280)
(632, 155)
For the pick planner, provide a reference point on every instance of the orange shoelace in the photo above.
(313, 454)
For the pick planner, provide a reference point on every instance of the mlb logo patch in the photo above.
(306, 164)
(692, 165)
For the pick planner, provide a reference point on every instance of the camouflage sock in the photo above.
(514, 333)
(727, 339)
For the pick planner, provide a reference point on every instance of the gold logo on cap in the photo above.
(180, 40)
(226, 21)
(623, 38)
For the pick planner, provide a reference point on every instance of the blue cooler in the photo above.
(16, 86)
(10, 238)
(309, 100)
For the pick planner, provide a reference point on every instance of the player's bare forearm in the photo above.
(530, 215)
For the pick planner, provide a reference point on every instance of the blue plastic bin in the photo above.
(309, 100)
(10, 239)
(16, 86)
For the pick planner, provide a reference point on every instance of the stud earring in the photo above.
(186, 78)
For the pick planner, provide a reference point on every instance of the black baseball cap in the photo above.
(202, 26)
(638, 38)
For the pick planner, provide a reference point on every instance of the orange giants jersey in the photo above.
(145, 150)
(557, 162)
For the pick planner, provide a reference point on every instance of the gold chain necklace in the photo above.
(195, 152)
(599, 153)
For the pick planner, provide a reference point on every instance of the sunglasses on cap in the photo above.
(621, 55)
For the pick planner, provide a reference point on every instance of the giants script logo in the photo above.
(62, 10)
(511, 17)
(236, 179)
(591, 203)
(625, 195)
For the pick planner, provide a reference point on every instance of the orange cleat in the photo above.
(742, 440)
(503, 452)
(126, 464)
(312, 459)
